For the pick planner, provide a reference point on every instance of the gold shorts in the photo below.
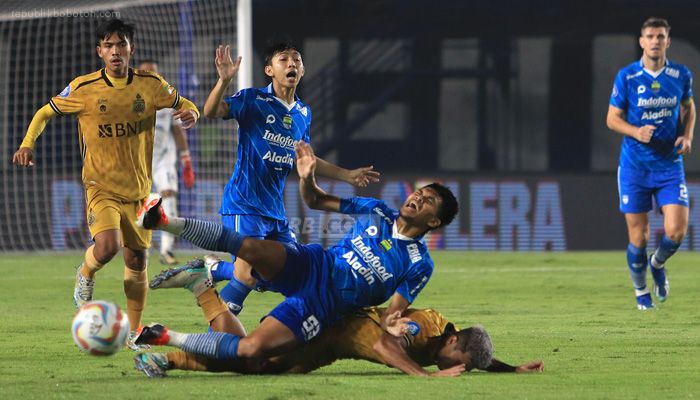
(105, 211)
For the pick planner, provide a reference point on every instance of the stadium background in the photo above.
(505, 101)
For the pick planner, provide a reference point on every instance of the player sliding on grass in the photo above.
(382, 257)
(652, 106)
(429, 340)
(116, 110)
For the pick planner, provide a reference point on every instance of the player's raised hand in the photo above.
(187, 117)
(225, 66)
(361, 177)
(306, 160)
(396, 325)
(531, 366)
(644, 133)
(684, 144)
(23, 157)
(452, 371)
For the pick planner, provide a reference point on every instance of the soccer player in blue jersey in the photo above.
(652, 106)
(271, 120)
(383, 256)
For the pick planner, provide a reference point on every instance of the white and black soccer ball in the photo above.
(100, 328)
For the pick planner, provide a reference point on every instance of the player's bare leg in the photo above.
(271, 338)
(638, 231)
(675, 227)
(106, 246)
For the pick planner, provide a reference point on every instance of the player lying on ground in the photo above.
(382, 257)
(429, 340)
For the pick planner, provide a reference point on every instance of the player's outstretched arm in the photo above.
(24, 156)
(360, 177)
(227, 68)
(391, 320)
(616, 122)
(530, 366)
(187, 113)
(392, 350)
(313, 196)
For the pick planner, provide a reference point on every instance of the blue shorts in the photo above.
(259, 227)
(636, 189)
(311, 303)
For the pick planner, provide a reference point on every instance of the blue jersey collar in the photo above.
(268, 89)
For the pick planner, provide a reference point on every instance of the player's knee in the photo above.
(252, 349)
(676, 233)
(105, 251)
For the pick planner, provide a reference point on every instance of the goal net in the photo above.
(42, 48)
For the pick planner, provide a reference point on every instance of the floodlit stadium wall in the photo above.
(511, 213)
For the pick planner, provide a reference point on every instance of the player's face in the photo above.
(654, 42)
(286, 68)
(450, 355)
(115, 52)
(421, 208)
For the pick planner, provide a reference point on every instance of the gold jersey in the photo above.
(115, 128)
(353, 337)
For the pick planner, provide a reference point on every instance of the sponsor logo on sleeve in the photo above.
(65, 92)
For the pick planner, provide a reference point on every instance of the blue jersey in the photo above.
(373, 261)
(268, 131)
(652, 99)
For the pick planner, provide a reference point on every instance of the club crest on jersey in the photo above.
(287, 121)
(91, 218)
(65, 92)
(139, 104)
(102, 105)
(655, 86)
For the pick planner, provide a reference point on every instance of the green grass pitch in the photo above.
(575, 311)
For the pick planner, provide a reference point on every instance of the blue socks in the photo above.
(212, 236)
(223, 271)
(637, 263)
(219, 345)
(234, 294)
(666, 249)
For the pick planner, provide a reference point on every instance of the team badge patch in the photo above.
(655, 86)
(386, 244)
(65, 92)
(91, 218)
(287, 122)
(413, 328)
(102, 105)
(139, 105)
(625, 199)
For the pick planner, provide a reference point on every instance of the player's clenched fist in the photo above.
(644, 133)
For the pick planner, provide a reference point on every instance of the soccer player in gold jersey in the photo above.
(429, 340)
(116, 109)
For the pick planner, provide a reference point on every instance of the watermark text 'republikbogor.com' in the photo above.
(57, 13)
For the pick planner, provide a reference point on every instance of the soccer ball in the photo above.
(100, 328)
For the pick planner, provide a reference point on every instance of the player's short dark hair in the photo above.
(122, 29)
(656, 22)
(477, 343)
(278, 46)
(449, 206)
